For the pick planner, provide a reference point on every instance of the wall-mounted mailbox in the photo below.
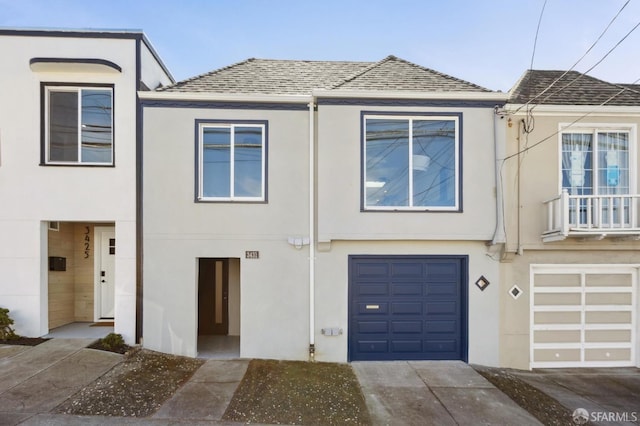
(57, 263)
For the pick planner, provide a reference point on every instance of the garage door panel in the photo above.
(557, 355)
(607, 354)
(608, 317)
(441, 326)
(411, 346)
(373, 346)
(557, 336)
(608, 280)
(609, 299)
(442, 271)
(443, 289)
(404, 327)
(408, 309)
(372, 270)
(558, 280)
(373, 327)
(566, 317)
(441, 346)
(557, 299)
(372, 289)
(602, 336)
(407, 269)
(442, 308)
(407, 289)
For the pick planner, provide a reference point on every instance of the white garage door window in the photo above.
(583, 316)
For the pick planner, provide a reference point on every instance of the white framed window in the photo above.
(597, 160)
(232, 161)
(78, 125)
(411, 162)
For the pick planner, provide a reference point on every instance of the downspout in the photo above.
(519, 188)
(312, 223)
(499, 236)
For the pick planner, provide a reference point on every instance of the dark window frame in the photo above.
(199, 124)
(416, 209)
(45, 88)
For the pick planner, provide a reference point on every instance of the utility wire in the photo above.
(529, 120)
(577, 62)
(597, 63)
(572, 123)
(535, 43)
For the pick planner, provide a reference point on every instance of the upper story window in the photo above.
(78, 125)
(232, 161)
(411, 162)
(596, 161)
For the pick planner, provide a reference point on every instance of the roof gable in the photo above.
(393, 73)
(270, 76)
(571, 88)
(294, 77)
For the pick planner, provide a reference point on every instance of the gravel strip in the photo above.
(136, 387)
(295, 392)
(540, 405)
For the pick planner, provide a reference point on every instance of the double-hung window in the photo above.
(232, 161)
(411, 162)
(78, 125)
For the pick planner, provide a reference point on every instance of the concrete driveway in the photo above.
(434, 393)
(610, 396)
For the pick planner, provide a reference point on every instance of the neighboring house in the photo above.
(332, 210)
(570, 277)
(69, 131)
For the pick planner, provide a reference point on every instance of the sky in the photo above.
(486, 42)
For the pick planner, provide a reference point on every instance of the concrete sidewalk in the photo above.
(34, 380)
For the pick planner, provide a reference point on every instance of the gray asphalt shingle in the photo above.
(295, 77)
(544, 87)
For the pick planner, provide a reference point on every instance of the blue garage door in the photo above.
(407, 308)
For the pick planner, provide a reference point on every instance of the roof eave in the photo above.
(397, 94)
(521, 109)
(223, 97)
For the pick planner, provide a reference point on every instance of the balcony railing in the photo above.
(591, 215)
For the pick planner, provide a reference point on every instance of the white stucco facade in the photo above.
(274, 300)
(34, 193)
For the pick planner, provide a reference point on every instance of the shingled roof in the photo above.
(572, 88)
(294, 77)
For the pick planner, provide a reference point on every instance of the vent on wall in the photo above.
(54, 226)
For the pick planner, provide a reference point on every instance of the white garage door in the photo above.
(583, 316)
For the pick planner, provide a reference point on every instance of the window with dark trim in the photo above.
(231, 161)
(411, 162)
(78, 125)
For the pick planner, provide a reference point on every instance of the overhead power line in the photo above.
(595, 110)
(577, 62)
(597, 63)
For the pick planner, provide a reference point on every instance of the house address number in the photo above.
(87, 242)
(252, 254)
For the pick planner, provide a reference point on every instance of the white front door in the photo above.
(105, 272)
